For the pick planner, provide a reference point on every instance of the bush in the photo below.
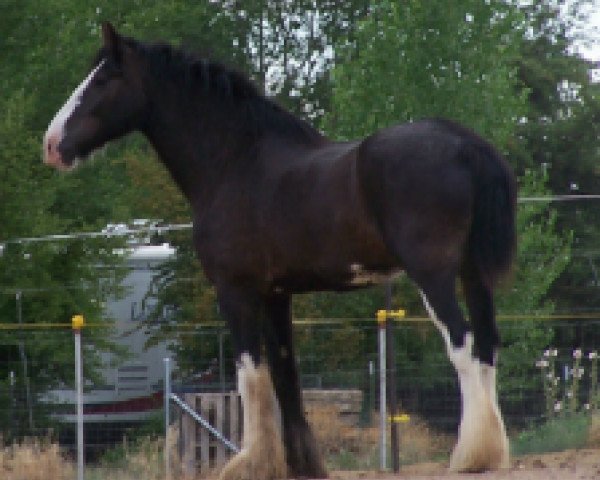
(557, 434)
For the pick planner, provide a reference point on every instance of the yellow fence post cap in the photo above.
(383, 315)
(399, 418)
(77, 322)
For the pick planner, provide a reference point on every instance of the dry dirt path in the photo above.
(570, 465)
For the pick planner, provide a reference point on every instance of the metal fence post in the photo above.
(381, 318)
(23, 356)
(77, 323)
(13, 408)
(387, 366)
(167, 399)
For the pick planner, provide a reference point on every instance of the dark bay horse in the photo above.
(280, 209)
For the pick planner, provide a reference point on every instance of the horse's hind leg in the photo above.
(262, 455)
(481, 437)
(302, 455)
(480, 303)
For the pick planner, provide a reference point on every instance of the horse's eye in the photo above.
(105, 74)
(101, 79)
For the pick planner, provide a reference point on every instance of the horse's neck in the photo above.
(201, 146)
(169, 157)
(195, 155)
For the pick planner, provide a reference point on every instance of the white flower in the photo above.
(577, 372)
(542, 363)
(554, 352)
(586, 406)
(558, 406)
(577, 354)
(570, 394)
(550, 376)
(546, 353)
(592, 355)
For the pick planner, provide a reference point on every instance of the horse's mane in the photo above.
(233, 89)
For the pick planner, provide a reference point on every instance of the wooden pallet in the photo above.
(201, 451)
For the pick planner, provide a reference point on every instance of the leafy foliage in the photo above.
(542, 255)
(558, 434)
(43, 282)
(430, 59)
(458, 63)
(559, 133)
(505, 69)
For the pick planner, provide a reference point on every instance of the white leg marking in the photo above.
(246, 369)
(482, 441)
(488, 378)
(262, 456)
(440, 326)
(55, 132)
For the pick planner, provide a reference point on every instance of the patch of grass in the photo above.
(344, 446)
(418, 443)
(346, 460)
(594, 430)
(349, 447)
(141, 458)
(135, 439)
(557, 434)
(34, 460)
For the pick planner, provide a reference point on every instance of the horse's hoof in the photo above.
(482, 445)
(302, 455)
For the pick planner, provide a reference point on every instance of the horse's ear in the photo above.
(111, 39)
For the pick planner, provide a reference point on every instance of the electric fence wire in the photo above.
(158, 229)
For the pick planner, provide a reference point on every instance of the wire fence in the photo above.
(123, 395)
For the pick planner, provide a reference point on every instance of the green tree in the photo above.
(559, 133)
(543, 253)
(186, 311)
(424, 59)
(367, 64)
(415, 59)
(43, 282)
(428, 59)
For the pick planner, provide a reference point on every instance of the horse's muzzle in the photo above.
(52, 155)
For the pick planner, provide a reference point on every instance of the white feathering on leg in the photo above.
(482, 442)
(262, 456)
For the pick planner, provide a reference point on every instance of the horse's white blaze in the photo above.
(56, 129)
(482, 441)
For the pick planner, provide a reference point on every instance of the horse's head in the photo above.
(108, 104)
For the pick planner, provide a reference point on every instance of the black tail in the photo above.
(492, 238)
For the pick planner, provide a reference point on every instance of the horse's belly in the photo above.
(353, 276)
(361, 276)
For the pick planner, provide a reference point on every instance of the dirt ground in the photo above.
(568, 465)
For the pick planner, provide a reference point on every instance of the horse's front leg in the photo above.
(262, 456)
(303, 458)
